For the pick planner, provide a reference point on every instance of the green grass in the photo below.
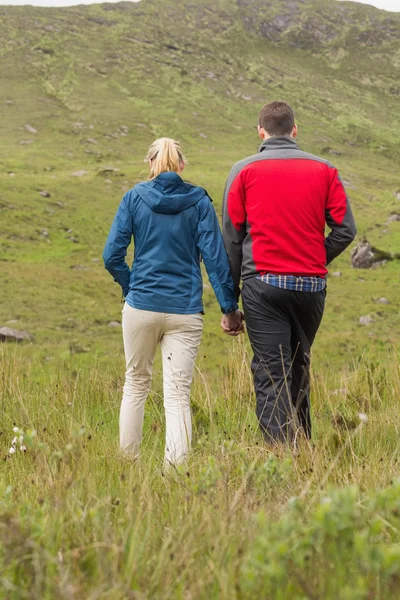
(76, 520)
(237, 521)
(80, 74)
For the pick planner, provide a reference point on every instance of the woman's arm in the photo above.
(118, 240)
(213, 251)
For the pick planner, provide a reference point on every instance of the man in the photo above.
(276, 204)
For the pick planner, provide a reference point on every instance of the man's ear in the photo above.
(295, 131)
(261, 132)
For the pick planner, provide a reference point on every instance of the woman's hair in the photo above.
(164, 154)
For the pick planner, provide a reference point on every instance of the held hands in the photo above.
(233, 323)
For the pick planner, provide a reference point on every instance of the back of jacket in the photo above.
(172, 223)
(276, 205)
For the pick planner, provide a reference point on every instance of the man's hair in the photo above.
(277, 118)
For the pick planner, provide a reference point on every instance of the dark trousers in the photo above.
(282, 325)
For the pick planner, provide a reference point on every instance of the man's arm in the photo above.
(118, 240)
(234, 225)
(339, 218)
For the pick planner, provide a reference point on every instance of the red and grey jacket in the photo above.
(276, 205)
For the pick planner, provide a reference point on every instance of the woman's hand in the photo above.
(233, 323)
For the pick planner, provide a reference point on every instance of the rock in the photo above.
(44, 194)
(9, 102)
(366, 320)
(80, 173)
(362, 256)
(44, 233)
(12, 321)
(378, 264)
(336, 274)
(25, 142)
(30, 129)
(79, 268)
(365, 256)
(74, 240)
(393, 217)
(397, 195)
(91, 141)
(110, 170)
(383, 301)
(329, 150)
(11, 174)
(114, 324)
(95, 260)
(13, 335)
(203, 135)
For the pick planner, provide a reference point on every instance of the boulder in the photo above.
(365, 256)
(383, 301)
(393, 217)
(7, 334)
(366, 320)
(362, 256)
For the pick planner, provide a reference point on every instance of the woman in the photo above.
(172, 223)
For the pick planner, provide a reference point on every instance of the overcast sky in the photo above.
(393, 5)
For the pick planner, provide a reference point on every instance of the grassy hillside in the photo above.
(83, 93)
(99, 83)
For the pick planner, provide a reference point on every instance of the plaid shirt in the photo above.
(294, 283)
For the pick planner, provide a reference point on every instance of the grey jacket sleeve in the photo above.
(339, 218)
(234, 224)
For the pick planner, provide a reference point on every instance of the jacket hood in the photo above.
(169, 194)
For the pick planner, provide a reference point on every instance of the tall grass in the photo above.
(77, 521)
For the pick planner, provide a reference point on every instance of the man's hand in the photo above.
(233, 323)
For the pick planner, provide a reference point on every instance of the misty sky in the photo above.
(393, 5)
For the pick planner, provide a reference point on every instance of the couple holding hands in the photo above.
(272, 251)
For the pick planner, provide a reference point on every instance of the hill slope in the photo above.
(89, 88)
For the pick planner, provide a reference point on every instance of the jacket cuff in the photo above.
(230, 309)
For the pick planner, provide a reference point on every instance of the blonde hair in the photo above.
(164, 154)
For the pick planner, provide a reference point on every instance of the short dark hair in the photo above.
(277, 118)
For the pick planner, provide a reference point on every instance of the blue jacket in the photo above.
(173, 223)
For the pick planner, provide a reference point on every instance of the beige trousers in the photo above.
(179, 337)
